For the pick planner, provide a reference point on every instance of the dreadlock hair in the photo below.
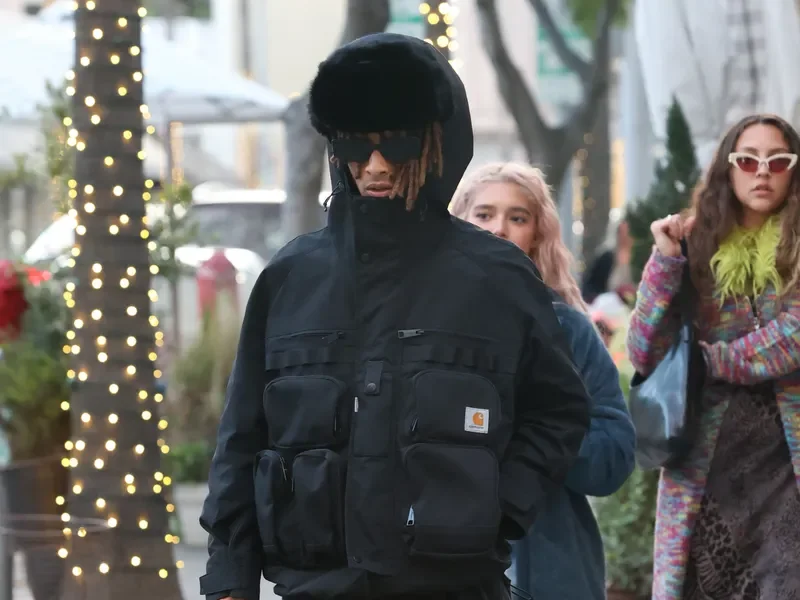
(411, 176)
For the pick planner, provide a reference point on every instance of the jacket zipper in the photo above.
(754, 313)
(325, 336)
(405, 334)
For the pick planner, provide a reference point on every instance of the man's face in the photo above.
(374, 159)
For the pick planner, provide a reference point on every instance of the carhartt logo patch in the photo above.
(476, 420)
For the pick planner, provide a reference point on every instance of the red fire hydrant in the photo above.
(217, 277)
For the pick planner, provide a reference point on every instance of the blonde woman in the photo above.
(562, 556)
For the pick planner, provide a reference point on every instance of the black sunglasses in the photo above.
(398, 149)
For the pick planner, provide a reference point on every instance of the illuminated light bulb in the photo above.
(97, 34)
(67, 532)
(65, 517)
(153, 356)
(70, 286)
(136, 561)
(151, 129)
(180, 564)
(162, 424)
(122, 22)
(147, 415)
(60, 500)
(127, 134)
(67, 349)
(85, 62)
(100, 503)
(65, 405)
(103, 568)
(108, 161)
(77, 571)
(151, 246)
(95, 119)
(168, 480)
(142, 395)
(83, 376)
(122, 90)
(90, 101)
(80, 230)
(72, 212)
(76, 251)
(156, 489)
(143, 524)
(146, 196)
(141, 155)
(124, 283)
(453, 46)
(124, 219)
(131, 370)
(139, 449)
(157, 373)
(89, 207)
(101, 340)
(90, 5)
(433, 18)
(97, 283)
(131, 489)
(142, 12)
(131, 341)
(158, 476)
(135, 50)
(71, 262)
(73, 462)
(153, 295)
(114, 59)
(451, 32)
(131, 310)
(164, 449)
(80, 445)
(77, 488)
(442, 41)
(78, 323)
(118, 191)
(81, 532)
(99, 463)
(170, 508)
(86, 417)
(102, 357)
(163, 573)
(97, 314)
(67, 121)
(113, 419)
(68, 445)
(131, 271)
(113, 230)
(111, 445)
(70, 91)
(158, 397)
(112, 522)
(80, 146)
(153, 320)
(129, 478)
(144, 234)
(424, 8)
(62, 553)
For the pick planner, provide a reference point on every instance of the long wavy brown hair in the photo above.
(718, 210)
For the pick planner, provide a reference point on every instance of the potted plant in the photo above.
(627, 518)
(34, 393)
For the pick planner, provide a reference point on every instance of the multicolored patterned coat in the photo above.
(745, 349)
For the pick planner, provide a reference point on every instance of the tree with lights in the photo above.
(117, 435)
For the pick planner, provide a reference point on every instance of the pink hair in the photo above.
(550, 255)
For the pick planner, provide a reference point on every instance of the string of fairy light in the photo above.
(86, 207)
(441, 17)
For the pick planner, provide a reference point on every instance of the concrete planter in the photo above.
(189, 499)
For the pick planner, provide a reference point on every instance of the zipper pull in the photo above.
(355, 404)
(332, 337)
(410, 518)
(409, 333)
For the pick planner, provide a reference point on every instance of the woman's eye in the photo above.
(519, 220)
(481, 216)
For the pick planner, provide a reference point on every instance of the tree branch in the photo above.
(583, 116)
(571, 59)
(513, 89)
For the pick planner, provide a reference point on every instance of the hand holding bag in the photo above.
(665, 405)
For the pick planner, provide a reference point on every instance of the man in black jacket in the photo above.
(402, 398)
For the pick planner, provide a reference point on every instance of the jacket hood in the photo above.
(385, 82)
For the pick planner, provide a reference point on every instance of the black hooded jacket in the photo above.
(402, 395)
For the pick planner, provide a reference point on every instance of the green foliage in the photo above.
(675, 179)
(200, 378)
(59, 164)
(189, 462)
(20, 175)
(586, 13)
(173, 230)
(33, 377)
(627, 518)
(197, 9)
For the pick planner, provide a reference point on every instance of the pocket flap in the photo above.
(302, 410)
(455, 406)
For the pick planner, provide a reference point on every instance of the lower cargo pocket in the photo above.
(311, 530)
(270, 492)
(455, 509)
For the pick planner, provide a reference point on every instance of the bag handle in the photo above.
(687, 295)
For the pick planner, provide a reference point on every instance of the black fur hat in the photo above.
(382, 82)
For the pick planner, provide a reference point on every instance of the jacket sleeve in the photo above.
(234, 564)
(606, 458)
(653, 327)
(551, 419)
(769, 352)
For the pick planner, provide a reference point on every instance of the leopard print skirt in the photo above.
(746, 542)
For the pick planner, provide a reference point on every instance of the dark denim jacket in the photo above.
(562, 556)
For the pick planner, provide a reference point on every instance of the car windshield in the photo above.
(251, 225)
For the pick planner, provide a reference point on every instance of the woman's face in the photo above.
(762, 191)
(504, 210)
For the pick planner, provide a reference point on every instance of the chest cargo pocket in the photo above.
(300, 509)
(452, 470)
(305, 411)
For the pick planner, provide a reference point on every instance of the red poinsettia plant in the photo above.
(33, 366)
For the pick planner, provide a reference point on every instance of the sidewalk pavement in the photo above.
(194, 560)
